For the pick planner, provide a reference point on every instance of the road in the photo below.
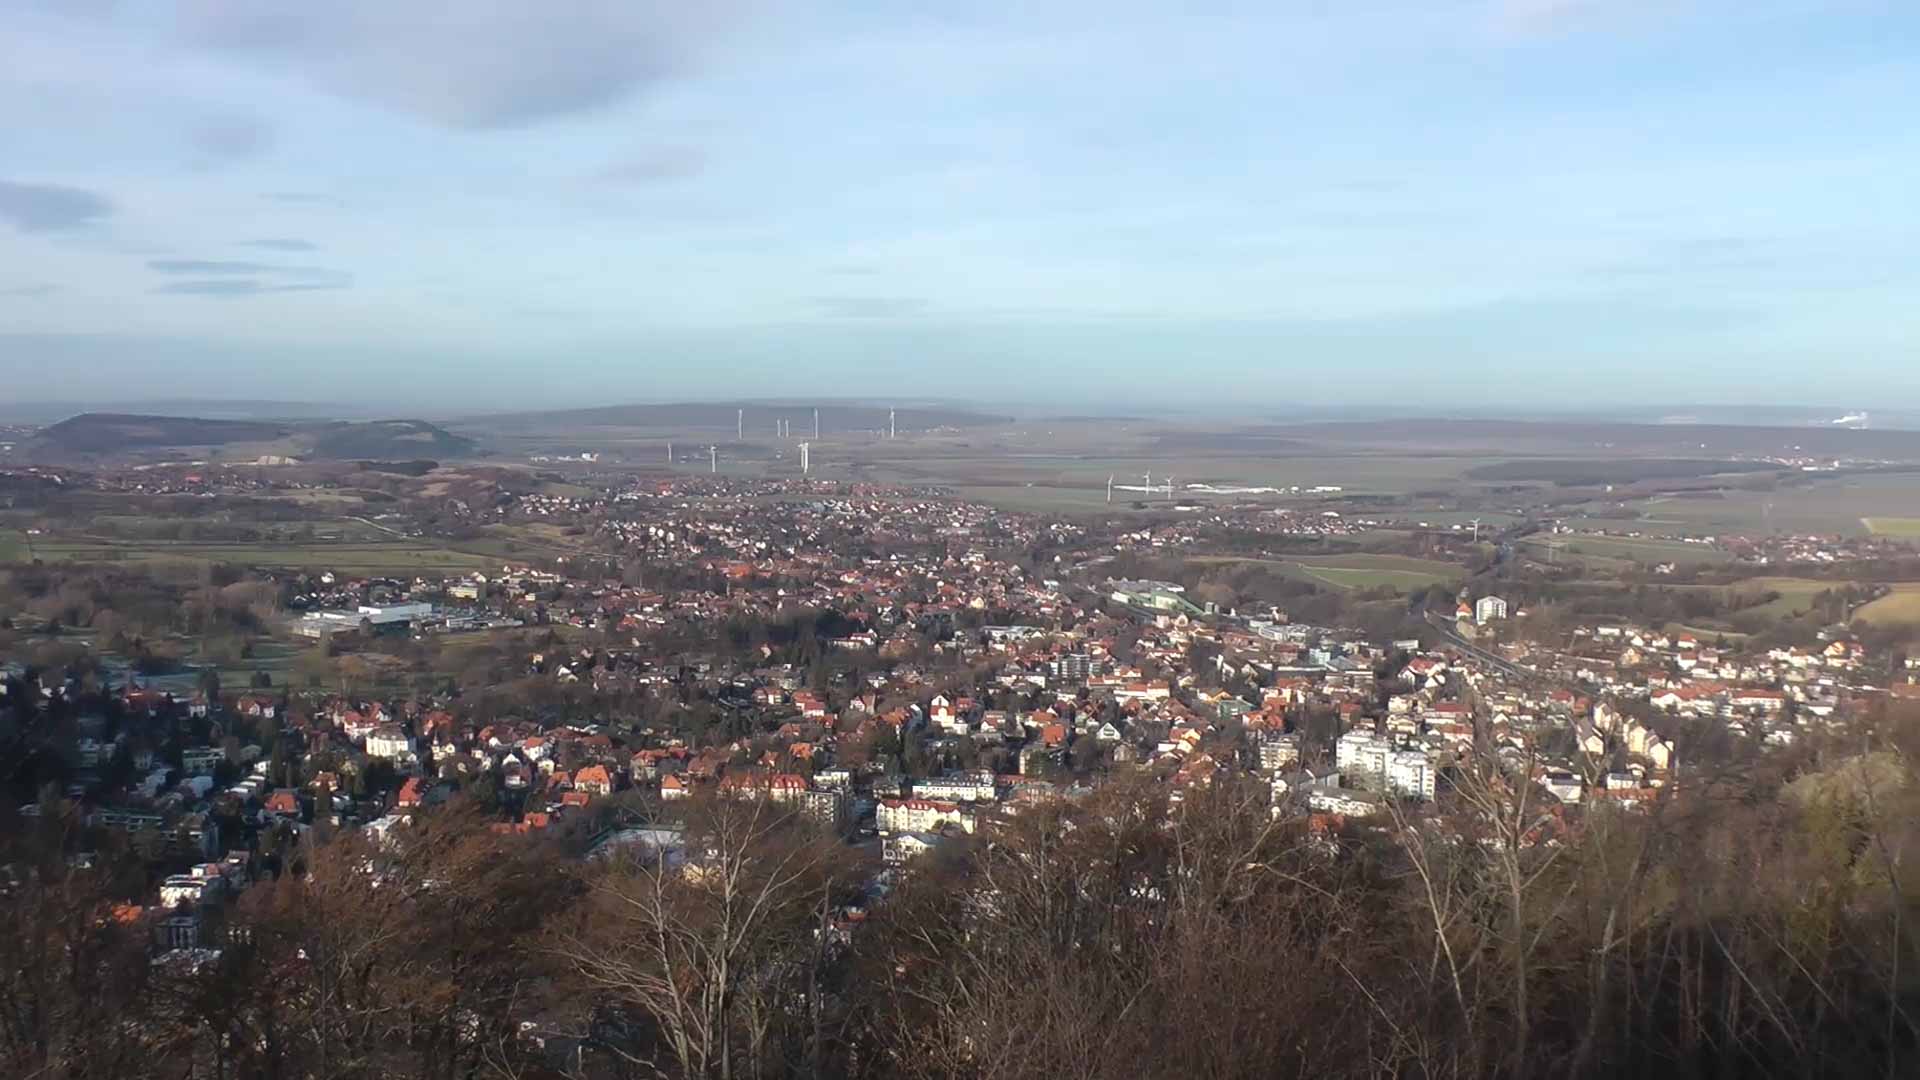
(1503, 666)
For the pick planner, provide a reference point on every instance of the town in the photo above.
(909, 673)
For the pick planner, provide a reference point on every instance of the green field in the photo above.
(13, 546)
(1904, 527)
(1796, 596)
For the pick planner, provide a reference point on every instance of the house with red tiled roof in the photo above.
(411, 794)
(593, 780)
(282, 803)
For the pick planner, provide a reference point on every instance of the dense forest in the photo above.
(1757, 922)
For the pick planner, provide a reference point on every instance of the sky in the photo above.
(454, 204)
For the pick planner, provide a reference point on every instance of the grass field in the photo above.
(1341, 577)
(1901, 607)
(1357, 570)
(1826, 506)
(1632, 549)
(399, 557)
(1904, 527)
(1796, 594)
(13, 546)
(1621, 553)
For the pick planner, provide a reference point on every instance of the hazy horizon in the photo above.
(1442, 204)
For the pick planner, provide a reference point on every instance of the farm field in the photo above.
(398, 557)
(1038, 476)
(1903, 527)
(1620, 550)
(13, 546)
(1357, 570)
(1825, 507)
(1795, 594)
(1901, 607)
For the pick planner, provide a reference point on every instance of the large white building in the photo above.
(323, 624)
(1279, 752)
(1488, 609)
(1410, 773)
(957, 787)
(390, 743)
(1362, 759)
(919, 815)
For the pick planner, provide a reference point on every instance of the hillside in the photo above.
(387, 439)
(105, 433)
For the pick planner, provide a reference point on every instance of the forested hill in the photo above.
(97, 433)
(120, 433)
(407, 439)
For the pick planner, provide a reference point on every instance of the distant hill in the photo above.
(105, 433)
(387, 439)
(759, 417)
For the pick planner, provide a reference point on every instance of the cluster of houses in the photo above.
(986, 679)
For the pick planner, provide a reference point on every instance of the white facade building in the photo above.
(1410, 773)
(919, 815)
(1362, 759)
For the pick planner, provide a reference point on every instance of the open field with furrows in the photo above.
(1355, 570)
(1824, 506)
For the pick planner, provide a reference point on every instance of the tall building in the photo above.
(1362, 758)
(1410, 773)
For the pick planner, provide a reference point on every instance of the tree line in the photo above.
(1758, 922)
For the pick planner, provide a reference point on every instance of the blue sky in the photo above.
(491, 202)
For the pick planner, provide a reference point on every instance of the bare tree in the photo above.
(698, 951)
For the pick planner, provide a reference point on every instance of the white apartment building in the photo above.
(919, 815)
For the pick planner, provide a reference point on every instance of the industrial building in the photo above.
(380, 617)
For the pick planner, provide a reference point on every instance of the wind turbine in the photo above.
(739, 424)
(1109, 487)
(1476, 529)
(713, 459)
